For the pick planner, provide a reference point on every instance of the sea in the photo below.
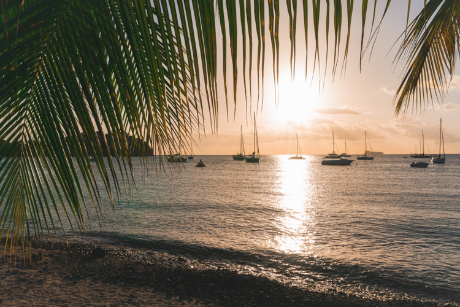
(377, 229)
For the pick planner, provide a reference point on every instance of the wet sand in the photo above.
(69, 275)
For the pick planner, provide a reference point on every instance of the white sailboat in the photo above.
(335, 159)
(297, 157)
(422, 150)
(332, 155)
(345, 154)
(255, 156)
(365, 156)
(440, 158)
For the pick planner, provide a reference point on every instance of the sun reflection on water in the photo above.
(297, 220)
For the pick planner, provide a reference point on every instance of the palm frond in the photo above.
(83, 77)
(430, 48)
(114, 77)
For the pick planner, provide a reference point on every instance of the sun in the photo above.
(297, 99)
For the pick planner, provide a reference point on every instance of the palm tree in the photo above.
(79, 76)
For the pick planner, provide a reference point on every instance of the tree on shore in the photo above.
(147, 70)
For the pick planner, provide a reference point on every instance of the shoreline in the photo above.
(70, 275)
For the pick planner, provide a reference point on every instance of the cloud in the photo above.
(338, 111)
(446, 106)
(387, 91)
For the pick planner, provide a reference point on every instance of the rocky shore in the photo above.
(89, 274)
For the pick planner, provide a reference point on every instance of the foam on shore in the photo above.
(69, 274)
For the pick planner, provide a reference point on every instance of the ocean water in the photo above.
(377, 228)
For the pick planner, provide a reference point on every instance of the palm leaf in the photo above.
(71, 70)
(430, 48)
(115, 77)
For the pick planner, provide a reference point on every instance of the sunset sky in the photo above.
(353, 103)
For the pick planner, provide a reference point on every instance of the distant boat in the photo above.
(255, 156)
(419, 164)
(345, 154)
(200, 164)
(335, 159)
(176, 158)
(332, 155)
(297, 157)
(192, 155)
(440, 158)
(365, 156)
(340, 161)
(240, 156)
(422, 149)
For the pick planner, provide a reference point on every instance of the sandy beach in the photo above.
(70, 275)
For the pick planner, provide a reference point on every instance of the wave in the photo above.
(310, 273)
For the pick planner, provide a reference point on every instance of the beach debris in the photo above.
(98, 253)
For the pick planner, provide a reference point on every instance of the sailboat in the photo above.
(240, 156)
(365, 156)
(297, 157)
(422, 155)
(345, 154)
(192, 155)
(332, 155)
(176, 158)
(255, 156)
(335, 159)
(440, 158)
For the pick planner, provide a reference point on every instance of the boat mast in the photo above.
(300, 149)
(365, 144)
(254, 134)
(440, 136)
(333, 143)
(241, 140)
(423, 138)
(443, 150)
(297, 151)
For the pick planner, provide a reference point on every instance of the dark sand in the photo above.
(71, 276)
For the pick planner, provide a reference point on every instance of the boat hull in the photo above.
(252, 160)
(419, 164)
(438, 160)
(365, 158)
(238, 157)
(296, 158)
(190, 158)
(420, 156)
(176, 159)
(337, 162)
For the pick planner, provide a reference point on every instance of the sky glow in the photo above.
(354, 102)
